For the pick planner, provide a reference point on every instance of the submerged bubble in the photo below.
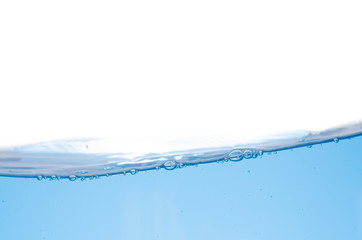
(170, 165)
(236, 155)
(336, 140)
(53, 177)
(39, 177)
(72, 177)
(133, 171)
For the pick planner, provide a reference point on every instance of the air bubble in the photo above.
(170, 165)
(236, 155)
(72, 177)
(336, 140)
(53, 177)
(40, 177)
(248, 154)
(133, 171)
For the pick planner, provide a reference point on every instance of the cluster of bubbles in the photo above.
(240, 154)
(234, 155)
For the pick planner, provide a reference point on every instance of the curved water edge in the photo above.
(71, 159)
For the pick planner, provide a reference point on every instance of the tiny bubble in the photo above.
(336, 140)
(170, 165)
(235, 155)
(72, 177)
(248, 154)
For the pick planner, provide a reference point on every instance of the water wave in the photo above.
(89, 158)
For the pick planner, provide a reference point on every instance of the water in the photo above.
(85, 158)
(298, 193)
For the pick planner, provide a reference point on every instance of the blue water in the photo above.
(302, 193)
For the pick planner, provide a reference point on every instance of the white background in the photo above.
(71, 69)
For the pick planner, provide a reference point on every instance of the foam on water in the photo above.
(91, 158)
